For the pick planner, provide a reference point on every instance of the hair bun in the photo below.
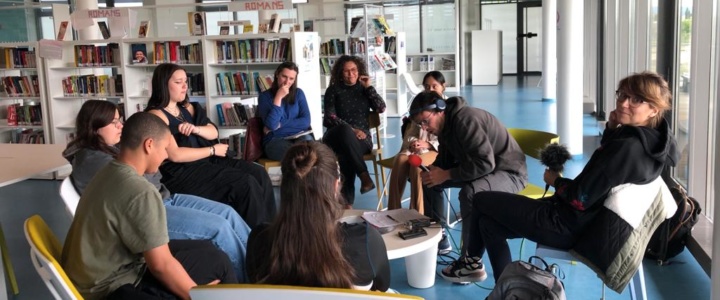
(304, 161)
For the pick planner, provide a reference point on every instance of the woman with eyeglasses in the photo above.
(305, 245)
(636, 146)
(197, 164)
(348, 102)
(99, 128)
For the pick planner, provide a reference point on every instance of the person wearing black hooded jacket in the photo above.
(635, 148)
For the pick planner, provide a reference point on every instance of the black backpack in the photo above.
(524, 281)
(672, 235)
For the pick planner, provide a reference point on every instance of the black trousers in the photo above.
(243, 185)
(349, 150)
(496, 181)
(200, 258)
(500, 216)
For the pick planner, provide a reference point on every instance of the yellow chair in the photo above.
(268, 292)
(376, 155)
(531, 142)
(45, 251)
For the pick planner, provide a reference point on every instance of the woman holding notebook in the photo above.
(284, 112)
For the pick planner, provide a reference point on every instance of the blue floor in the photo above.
(515, 103)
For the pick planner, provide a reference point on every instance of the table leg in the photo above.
(421, 266)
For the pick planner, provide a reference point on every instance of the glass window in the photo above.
(681, 105)
(653, 33)
(438, 26)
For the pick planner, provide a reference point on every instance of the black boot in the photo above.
(366, 183)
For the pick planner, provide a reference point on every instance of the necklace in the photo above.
(177, 113)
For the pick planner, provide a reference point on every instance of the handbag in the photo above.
(253, 140)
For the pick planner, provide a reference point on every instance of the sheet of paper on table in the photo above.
(391, 218)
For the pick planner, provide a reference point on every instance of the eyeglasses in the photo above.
(424, 122)
(118, 123)
(620, 97)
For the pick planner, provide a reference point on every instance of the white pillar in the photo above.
(92, 32)
(570, 74)
(549, 46)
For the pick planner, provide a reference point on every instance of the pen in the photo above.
(391, 218)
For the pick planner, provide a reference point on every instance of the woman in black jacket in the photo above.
(635, 147)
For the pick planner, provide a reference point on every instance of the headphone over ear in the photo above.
(438, 105)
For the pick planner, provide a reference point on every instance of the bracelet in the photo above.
(212, 150)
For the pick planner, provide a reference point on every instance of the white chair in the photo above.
(636, 285)
(69, 195)
(45, 251)
(271, 292)
(412, 88)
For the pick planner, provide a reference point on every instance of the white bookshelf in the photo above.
(418, 64)
(23, 67)
(303, 49)
(64, 105)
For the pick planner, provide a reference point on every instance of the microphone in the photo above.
(554, 156)
(415, 161)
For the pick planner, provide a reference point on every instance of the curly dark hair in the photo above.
(336, 76)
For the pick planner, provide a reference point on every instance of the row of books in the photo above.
(235, 142)
(252, 50)
(173, 52)
(332, 47)
(18, 86)
(29, 114)
(196, 84)
(235, 114)
(93, 85)
(21, 57)
(92, 55)
(27, 136)
(357, 47)
(326, 64)
(242, 83)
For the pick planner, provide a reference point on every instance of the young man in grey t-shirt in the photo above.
(118, 245)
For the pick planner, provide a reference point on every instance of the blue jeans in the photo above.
(275, 148)
(196, 218)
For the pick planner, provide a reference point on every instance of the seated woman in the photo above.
(284, 111)
(98, 127)
(635, 147)
(418, 141)
(199, 167)
(348, 101)
(305, 245)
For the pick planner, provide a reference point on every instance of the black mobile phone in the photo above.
(411, 234)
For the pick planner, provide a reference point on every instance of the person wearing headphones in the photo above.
(476, 153)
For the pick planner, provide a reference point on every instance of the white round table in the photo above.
(420, 253)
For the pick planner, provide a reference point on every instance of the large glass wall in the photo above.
(653, 33)
(681, 105)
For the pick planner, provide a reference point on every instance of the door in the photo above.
(529, 38)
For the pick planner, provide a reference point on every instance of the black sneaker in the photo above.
(444, 246)
(464, 270)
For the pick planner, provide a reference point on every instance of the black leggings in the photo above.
(499, 216)
(201, 260)
(350, 151)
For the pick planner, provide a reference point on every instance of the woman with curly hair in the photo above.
(348, 101)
